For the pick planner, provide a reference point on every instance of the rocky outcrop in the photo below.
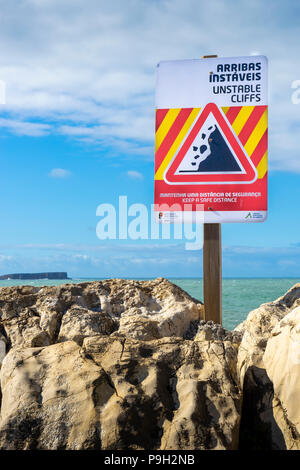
(2, 348)
(269, 374)
(27, 276)
(116, 365)
(133, 365)
(282, 363)
(120, 393)
(41, 316)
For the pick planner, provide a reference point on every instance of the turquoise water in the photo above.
(240, 296)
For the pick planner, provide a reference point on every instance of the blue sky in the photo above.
(77, 130)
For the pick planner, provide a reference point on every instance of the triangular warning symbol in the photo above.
(211, 153)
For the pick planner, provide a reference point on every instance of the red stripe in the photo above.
(159, 117)
(251, 123)
(265, 177)
(260, 149)
(171, 136)
(232, 113)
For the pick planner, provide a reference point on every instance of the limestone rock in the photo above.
(265, 423)
(121, 364)
(282, 363)
(258, 326)
(40, 316)
(2, 348)
(79, 323)
(121, 393)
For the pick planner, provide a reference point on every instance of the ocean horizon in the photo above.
(240, 294)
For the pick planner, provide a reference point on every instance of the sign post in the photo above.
(211, 151)
(212, 266)
(212, 272)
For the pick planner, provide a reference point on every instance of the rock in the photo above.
(35, 276)
(2, 348)
(33, 316)
(265, 422)
(79, 323)
(132, 365)
(282, 363)
(122, 393)
(258, 326)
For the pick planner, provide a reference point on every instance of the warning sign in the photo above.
(211, 143)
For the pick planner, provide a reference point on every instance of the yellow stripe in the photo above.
(160, 172)
(242, 118)
(262, 166)
(225, 109)
(165, 126)
(257, 133)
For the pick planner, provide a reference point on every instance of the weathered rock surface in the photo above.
(146, 310)
(270, 375)
(132, 365)
(115, 365)
(282, 362)
(120, 393)
(2, 348)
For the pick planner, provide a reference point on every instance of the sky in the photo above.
(77, 130)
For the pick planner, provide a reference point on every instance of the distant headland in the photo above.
(59, 275)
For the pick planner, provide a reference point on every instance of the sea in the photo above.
(240, 295)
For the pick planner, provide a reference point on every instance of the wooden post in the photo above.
(212, 272)
(212, 267)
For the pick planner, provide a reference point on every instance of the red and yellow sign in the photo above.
(250, 124)
(213, 155)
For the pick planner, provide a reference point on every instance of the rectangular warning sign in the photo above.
(211, 140)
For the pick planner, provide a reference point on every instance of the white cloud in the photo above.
(145, 259)
(59, 173)
(88, 72)
(4, 258)
(20, 127)
(135, 175)
(81, 257)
